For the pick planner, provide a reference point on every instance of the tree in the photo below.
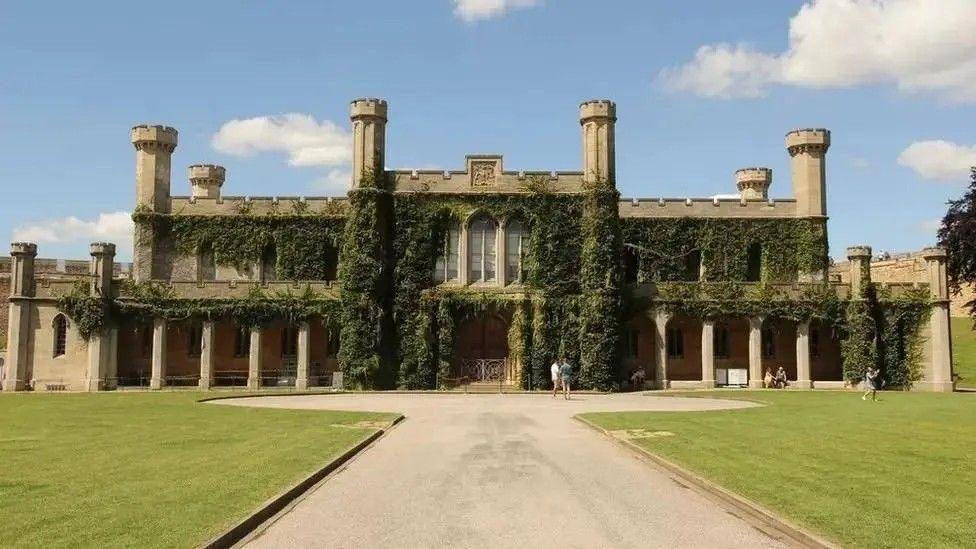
(958, 236)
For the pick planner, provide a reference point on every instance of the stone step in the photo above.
(490, 388)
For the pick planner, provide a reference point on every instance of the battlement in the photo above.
(859, 252)
(259, 205)
(102, 248)
(23, 248)
(706, 207)
(808, 139)
(598, 108)
(206, 173)
(368, 107)
(144, 135)
(753, 183)
(933, 253)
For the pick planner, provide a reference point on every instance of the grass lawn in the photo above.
(150, 469)
(964, 350)
(896, 473)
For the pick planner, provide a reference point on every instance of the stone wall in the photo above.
(905, 268)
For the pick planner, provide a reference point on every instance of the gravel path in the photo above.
(501, 471)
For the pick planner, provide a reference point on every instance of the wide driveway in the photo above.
(501, 471)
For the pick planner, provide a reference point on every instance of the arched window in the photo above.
(481, 250)
(754, 269)
(516, 248)
(60, 335)
(446, 267)
(206, 266)
(693, 265)
(269, 262)
(331, 263)
(631, 265)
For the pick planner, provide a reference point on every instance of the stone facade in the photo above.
(46, 352)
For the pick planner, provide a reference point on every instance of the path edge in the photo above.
(267, 510)
(749, 510)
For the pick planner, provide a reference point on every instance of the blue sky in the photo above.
(702, 88)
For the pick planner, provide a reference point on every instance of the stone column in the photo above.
(255, 359)
(755, 352)
(803, 379)
(304, 357)
(598, 118)
(860, 262)
(368, 116)
(22, 256)
(208, 355)
(661, 319)
(158, 379)
(708, 354)
(937, 375)
(100, 342)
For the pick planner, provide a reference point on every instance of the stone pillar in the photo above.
(708, 354)
(206, 180)
(208, 354)
(803, 379)
(22, 256)
(112, 376)
(154, 152)
(158, 379)
(937, 375)
(860, 262)
(255, 359)
(661, 319)
(368, 117)
(100, 342)
(808, 154)
(755, 352)
(304, 357)
(753, 183)
(598, 117)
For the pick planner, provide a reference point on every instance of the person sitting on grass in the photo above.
(767, 380)
(870, 383)
(780, 382)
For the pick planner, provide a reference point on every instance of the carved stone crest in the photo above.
(482, 174)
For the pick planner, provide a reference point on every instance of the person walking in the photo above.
(565, 373)
(554, 372)
(870, 383)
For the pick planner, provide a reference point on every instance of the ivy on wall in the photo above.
(663, 245)
(306, 245)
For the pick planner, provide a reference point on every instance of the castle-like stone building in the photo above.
(497, 295)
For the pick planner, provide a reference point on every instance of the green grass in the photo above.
(150, 469)
(895, 473)
(964, 351)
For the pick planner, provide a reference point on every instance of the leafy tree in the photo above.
(958, 236)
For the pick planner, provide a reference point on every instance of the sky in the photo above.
(702, 88)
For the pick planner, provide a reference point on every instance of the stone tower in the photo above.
(938, 373)
(753, 183)
(22, 256)
(808, 151)
(206, 180)
(154, 152)
(368, 117)
(103, 344)
(597, 117)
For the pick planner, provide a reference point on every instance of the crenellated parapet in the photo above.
(206, 180)
(753, 183)
(154, 137)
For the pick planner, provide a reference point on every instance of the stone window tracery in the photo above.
(481, 250)
(446, 267)
(60, 335)
(516, 248)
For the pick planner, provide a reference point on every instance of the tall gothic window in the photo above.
(446, 268)
(331, 263)
(206, 265)
(693, 265)
(481, 250)
(516, 248)
(269, 262)
(754, 267)
(60, 335)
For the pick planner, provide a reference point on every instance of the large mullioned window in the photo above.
(446, 267)
(481, 250)
(516, 248)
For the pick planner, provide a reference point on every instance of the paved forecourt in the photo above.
(501, 471)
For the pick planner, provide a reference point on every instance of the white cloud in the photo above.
(306, 141)
(939, 160)
(917, 45)
(334, 183)
(115, 227)
(473, 10)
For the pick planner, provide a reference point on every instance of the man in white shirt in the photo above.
(554, 370)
